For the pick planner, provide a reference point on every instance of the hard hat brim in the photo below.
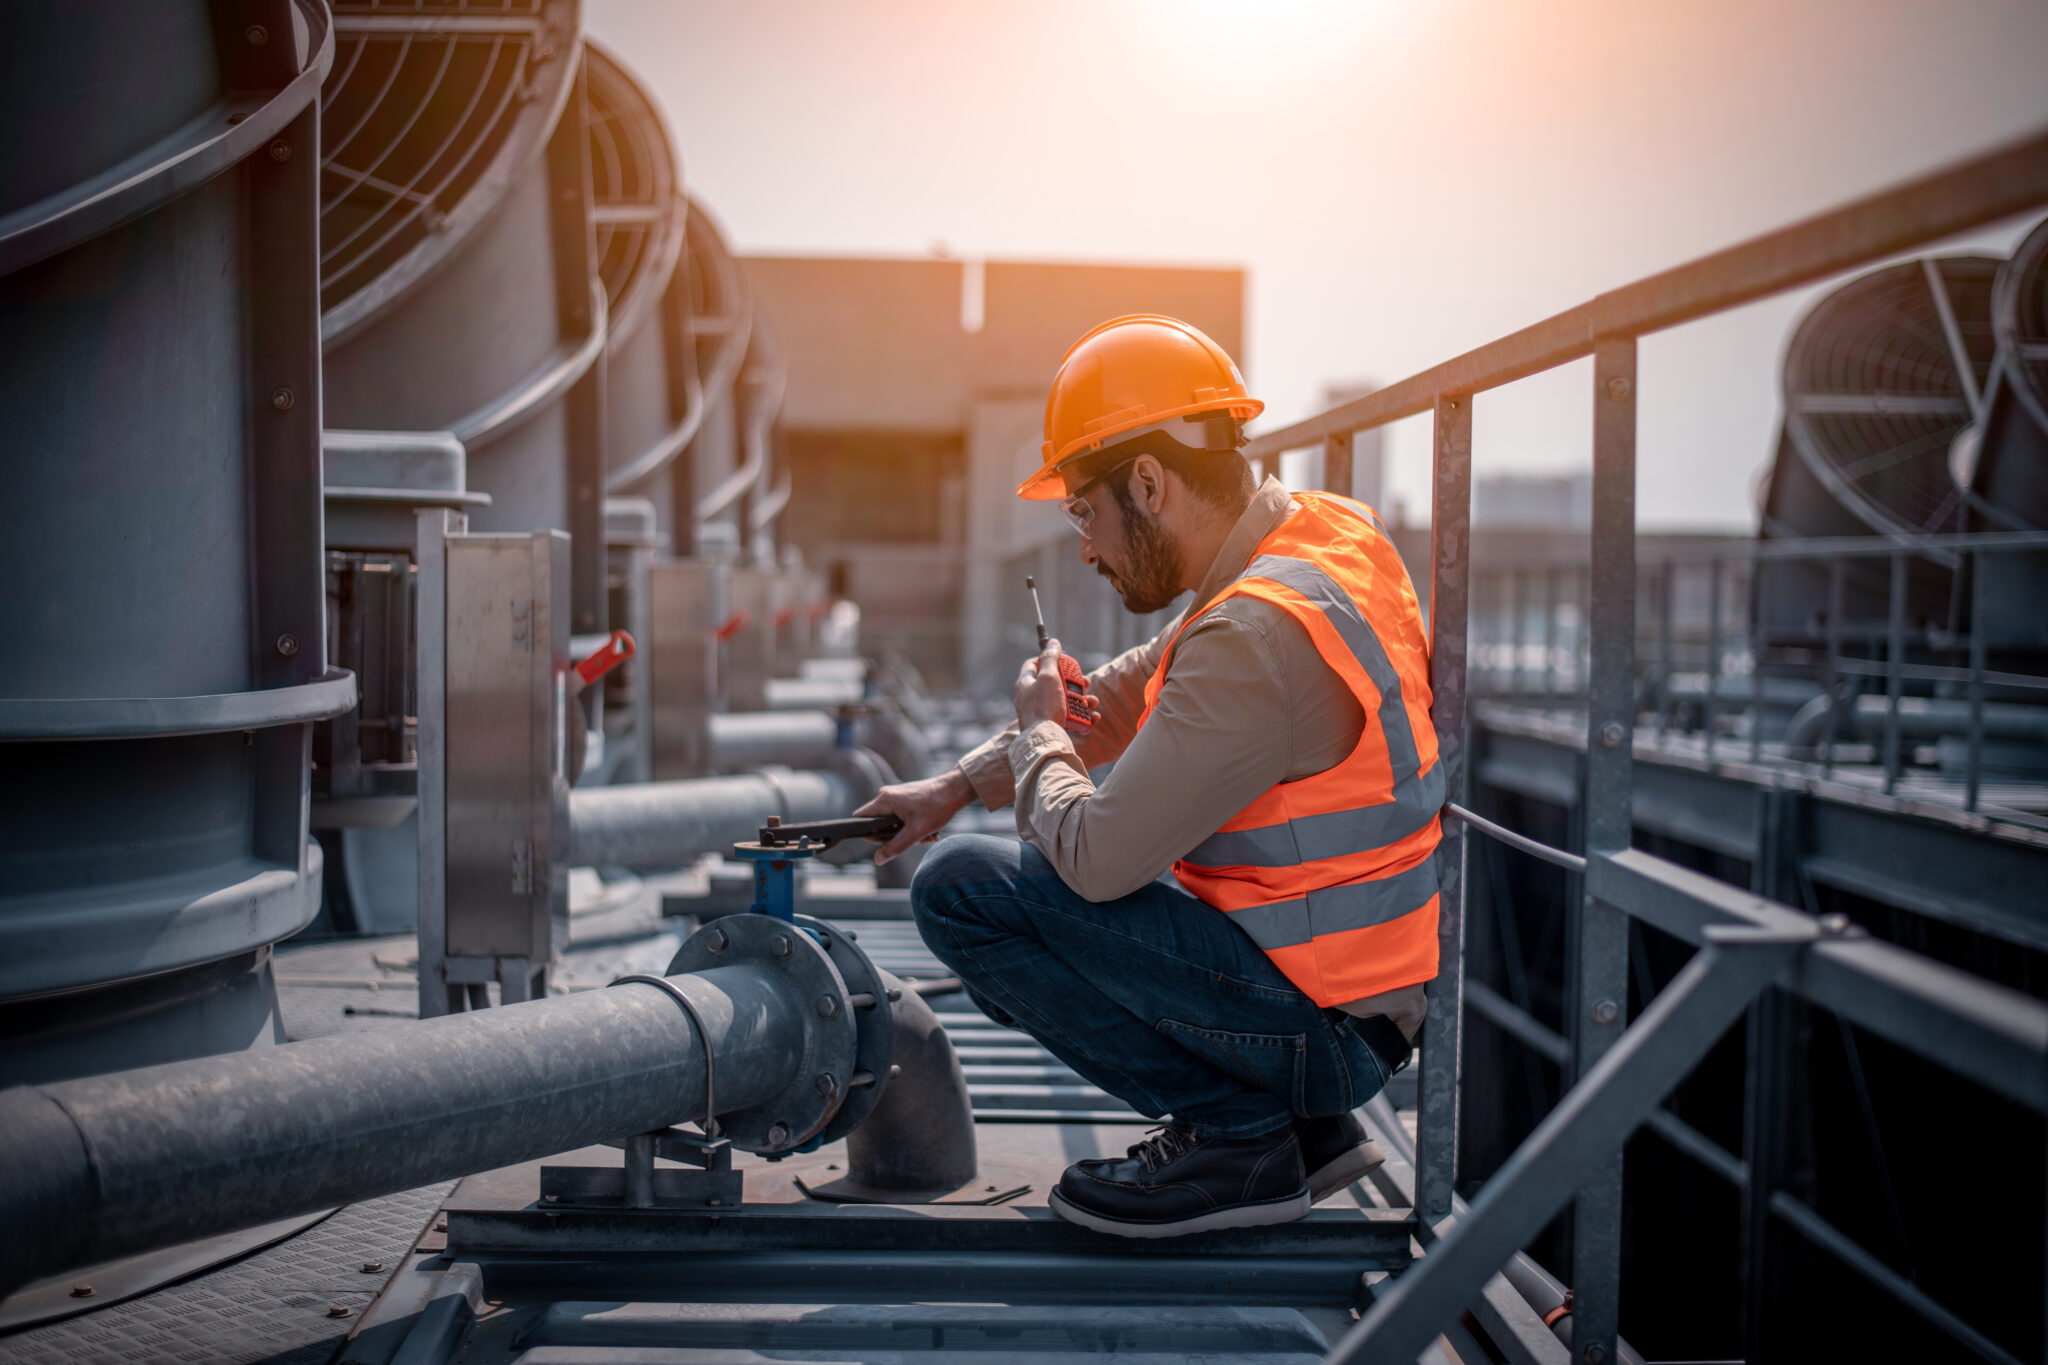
(1045, 483)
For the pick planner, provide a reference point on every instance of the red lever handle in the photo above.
(609, 656)
(734, 624)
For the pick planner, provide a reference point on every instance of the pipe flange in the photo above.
(817, 993)
(875, 1049)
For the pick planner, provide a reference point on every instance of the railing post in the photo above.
(1766, 1085)
(1450, 527)
(1601, 1006)
(1337, 464)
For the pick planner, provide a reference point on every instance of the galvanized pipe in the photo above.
(667, 824)
(751, 739)
(119, 1164)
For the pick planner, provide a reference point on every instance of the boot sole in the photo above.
(1283, 1210)
(1344, 1171)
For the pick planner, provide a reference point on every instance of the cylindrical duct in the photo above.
(667, 824)
(112, 1165)
(1878, 385)
(457, 271)
(159, 519)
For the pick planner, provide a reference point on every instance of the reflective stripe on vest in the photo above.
(1334, 876)
(1418, 796)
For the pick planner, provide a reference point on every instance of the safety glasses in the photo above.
(1076, 508)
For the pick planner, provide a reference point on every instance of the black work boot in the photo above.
(1174, 1183)
(1336, 1152)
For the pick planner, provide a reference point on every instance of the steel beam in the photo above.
(1574, 1143)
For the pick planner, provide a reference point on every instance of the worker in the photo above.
(1273, 752)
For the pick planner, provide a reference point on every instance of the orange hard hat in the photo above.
(1127, 373)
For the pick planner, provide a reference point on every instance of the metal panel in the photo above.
(687, 605)
(507, 781)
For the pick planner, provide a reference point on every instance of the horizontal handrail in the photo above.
(1984, 189)
(1570, 862)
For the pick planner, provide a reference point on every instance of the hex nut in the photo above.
(256, 34)
(778, 1136)
(82, 1291)
(828, 1007)
(1596, 1354)
(338, 1310)
(372, 1267)
(826, 1083)
(1618, 388)
(282, 398)
(281, 150)
(287, 644)
(1605, 1011)
(1835, 924)
(1612, 734)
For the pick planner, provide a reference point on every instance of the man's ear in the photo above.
(1148, 484)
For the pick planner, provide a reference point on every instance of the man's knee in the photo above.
(954, 868)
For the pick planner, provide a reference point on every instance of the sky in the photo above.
(1401, 179)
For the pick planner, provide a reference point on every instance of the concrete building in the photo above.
(916, 396)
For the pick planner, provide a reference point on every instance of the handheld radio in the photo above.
(1078, 721)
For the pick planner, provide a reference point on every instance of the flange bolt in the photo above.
(715, 940)
(778, 1136)
(256, 34)
(828, 1007)
(826, 1083)
(782, 947)
(281, 150)
(1605, 1011)
(287, 645)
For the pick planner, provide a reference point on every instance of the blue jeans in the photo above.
(1155, 997)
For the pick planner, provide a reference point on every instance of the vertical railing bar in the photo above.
(1518, 605)
(1665, 598)
(1710, 709)
(1756, 665)
(1979, 604)
(1550, 606)
(1837, 598)
(1895, 645)
(1600, 999)
(1450, 537)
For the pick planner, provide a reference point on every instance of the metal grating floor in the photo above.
(273, 1306)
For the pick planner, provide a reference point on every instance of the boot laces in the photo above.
(1160, 1146)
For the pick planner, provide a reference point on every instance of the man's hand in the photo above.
(1042, 695)
(923, 806)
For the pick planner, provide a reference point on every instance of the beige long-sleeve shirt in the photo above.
(1247, 704)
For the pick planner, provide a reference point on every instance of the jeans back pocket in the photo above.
(1274, 1062)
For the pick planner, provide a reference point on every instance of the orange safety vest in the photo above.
(1334, 876)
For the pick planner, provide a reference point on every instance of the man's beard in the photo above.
(1152, 578)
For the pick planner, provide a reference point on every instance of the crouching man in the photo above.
(1232, 932)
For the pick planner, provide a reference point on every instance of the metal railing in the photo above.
(1746, 944)
(1708, 665)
